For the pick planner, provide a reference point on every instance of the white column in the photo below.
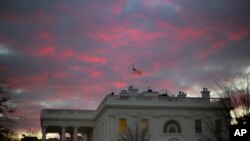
(63, 133)
(156, 128)
(43, 133)
(75, 133)
(111, 128)
(189, 130)
(87, 136)
(94, 134)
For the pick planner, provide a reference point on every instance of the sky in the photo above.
(71, 54)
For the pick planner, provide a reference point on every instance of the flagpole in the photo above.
(132, 75)
(135, 72)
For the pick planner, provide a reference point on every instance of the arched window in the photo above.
(173, 139)
(172, 126)
(172, 129)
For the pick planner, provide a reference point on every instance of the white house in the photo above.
(159, 116)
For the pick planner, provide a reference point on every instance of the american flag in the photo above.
(136, 71)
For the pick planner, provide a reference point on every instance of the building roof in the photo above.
(131, 98)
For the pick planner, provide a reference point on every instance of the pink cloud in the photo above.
(218, 45)
(190, 33)
(42, 77)
(214, 48)
(83, 90)
(44, 17)
(31, 81)
(52, 52)
(104, 36)
(185, 35)
(45, 36)
(140, 35)
(120, 35)
(156, 66)
(96, 74)
(60, 74)
(45, 51)
(119, 84)
(237, 35)
(116, 9)
(66, 53)
(91, 59)
(93, 73)
(165, 84)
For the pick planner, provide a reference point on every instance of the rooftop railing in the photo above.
(67, 112)
(147, 100)
(133, 100)
(160, 98)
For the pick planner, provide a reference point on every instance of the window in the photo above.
(172, 129)
(198, 128)
(173, 139)
(144, 125)
(218, 126)
(172, 126)
(122, 125)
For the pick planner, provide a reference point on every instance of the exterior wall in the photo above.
(157, 120)
(103, 124)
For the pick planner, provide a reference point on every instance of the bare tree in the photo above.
(32, 132)
(237, 89)
(215, 131)
(7, 107)
(236, 107)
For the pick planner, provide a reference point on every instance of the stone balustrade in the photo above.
(155, 100)
(67, 113)
(139, 98)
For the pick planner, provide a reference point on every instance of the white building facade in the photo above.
(148, 115)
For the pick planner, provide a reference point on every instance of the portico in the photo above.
(71, 122)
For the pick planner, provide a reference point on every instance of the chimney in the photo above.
(149, 89)
(205, 93)
(182, 94)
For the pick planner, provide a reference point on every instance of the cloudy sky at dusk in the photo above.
(71, 54)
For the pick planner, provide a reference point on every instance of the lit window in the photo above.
(198, 128)
(122, 125)
(218, 126)
(144, 125)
